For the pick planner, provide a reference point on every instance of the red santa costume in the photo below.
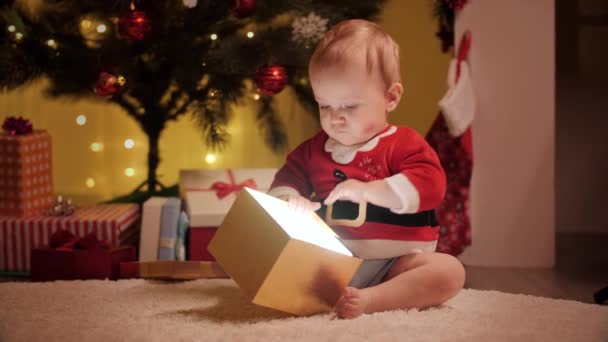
(401, 157)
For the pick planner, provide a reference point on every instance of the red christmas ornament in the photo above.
(134, 25)
(456, 5)
(243, 8)
(108, 84)
(271, 79)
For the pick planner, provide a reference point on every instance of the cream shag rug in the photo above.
(215, 310)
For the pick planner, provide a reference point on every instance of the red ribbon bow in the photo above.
(223, 189)
(64, 240)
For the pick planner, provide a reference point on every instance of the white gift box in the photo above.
(209, 194)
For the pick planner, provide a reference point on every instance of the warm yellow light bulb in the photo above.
(256, 96)
(96, 147)
(101, 28)
(213, 36)
(210, 158)
(129, 172)
(129, 143)
(18, 35)
(11, 28)
(51, 43)
(90, 182)
(250, 34)
(81, 120)
(85, 24)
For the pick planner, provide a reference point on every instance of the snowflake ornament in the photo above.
(308, 30)
(190, 3)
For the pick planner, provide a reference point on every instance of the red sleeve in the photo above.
(294, 173)
(414, 158)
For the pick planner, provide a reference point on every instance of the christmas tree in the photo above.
(161, 60)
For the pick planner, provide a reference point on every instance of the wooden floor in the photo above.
(581, 270)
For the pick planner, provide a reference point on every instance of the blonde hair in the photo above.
(350, 39)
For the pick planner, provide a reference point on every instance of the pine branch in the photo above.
(180, 111)
(129, 107)
(271, 126)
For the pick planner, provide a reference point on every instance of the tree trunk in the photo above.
(153, 160)
(153, 125)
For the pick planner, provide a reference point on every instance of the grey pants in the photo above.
(371, 272)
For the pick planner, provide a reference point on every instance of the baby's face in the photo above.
(352, 104)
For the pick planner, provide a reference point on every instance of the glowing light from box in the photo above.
(101, 28)
(256, 97)
(12, 28)
(300, 226)
(250, 34)
(96, 147)
(129, 143)
(81, 120)
(210, 158)
(213, 36)
(130, 172)
(90, 182)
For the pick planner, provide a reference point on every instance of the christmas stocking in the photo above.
(458, 104)
(450, 136)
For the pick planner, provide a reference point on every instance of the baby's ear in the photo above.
(393, 96)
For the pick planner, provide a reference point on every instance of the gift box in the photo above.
(69, 257)
(26, 178)
(280, 258)
(198, 243)
(208, 196)
(115, 223)
(178, 270)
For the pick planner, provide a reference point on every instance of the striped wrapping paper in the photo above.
(19, 235)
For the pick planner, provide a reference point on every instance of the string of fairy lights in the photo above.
(93, 30)
(128, 144)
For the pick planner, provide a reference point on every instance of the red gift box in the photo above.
(26, 177)
(78, 258)
(199, 239)
(115, 223)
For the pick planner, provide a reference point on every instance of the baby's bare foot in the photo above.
(352, 303)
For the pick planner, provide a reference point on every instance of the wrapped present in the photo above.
(159, 228)
(70, 257)
(149, 239)
(208, 196)
(182, 230)
(114, 223)
(280, 258)
(178, 270)
(26, 178)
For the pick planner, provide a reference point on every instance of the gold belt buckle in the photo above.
(357, 222)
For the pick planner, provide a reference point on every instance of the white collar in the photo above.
(343, 154)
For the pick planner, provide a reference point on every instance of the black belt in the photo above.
(349, 210)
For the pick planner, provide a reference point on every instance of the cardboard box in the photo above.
(281, 259)
(26, 174)
(179, 270)
(50, 264)
(115, 223)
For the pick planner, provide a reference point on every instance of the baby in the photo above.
(359, 157)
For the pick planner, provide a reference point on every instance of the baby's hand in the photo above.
(350, 190)
(301, 204)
